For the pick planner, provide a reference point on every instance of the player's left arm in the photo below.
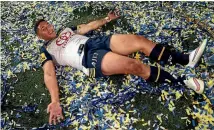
(85, 28)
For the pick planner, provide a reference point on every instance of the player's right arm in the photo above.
(51, 83)
(50, 80)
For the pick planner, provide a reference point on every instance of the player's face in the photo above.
(46, 31)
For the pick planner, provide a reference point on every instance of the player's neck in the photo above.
(49, 39)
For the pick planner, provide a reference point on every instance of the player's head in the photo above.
(44, 30)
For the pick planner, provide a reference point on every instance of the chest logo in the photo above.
(63, 38)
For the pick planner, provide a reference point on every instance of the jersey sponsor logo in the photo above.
(63, 39)
(43, 57)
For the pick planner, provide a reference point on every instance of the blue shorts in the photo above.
(95, 49)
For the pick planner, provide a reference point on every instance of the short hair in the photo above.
(37, 24)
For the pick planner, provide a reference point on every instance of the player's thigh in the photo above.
(113, 63)
(126, 44)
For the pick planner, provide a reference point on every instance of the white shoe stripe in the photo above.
(195, 53)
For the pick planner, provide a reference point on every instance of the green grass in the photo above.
(155, 107)
(30, 89)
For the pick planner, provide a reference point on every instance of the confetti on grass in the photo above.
(99, 103)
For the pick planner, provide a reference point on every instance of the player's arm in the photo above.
(49, 74)
(50, 80)
(85, 28)
(54, 107)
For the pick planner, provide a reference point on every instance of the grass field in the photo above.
(24, 105)
(31, 90)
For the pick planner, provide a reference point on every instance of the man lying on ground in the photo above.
(107, 55)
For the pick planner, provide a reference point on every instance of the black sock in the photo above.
(164, 54)
(160, 76)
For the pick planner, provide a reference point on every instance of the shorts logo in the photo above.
(94, 59)
(63, 39)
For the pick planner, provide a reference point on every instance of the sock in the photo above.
(160, 76)
(160, 53)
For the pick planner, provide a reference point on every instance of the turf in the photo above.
(30, 90)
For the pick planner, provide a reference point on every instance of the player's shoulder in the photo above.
(44, 55)
(42, 48)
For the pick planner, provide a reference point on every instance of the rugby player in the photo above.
(107, 55)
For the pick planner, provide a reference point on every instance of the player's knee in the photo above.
(138, 37)
(134, 67)
(137, 41)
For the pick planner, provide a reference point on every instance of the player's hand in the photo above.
(114, 14)
(55, 111)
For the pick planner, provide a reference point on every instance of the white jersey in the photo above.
(64, 49)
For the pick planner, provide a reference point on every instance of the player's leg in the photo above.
(113, 63)
(125, 44)
(160, 53)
